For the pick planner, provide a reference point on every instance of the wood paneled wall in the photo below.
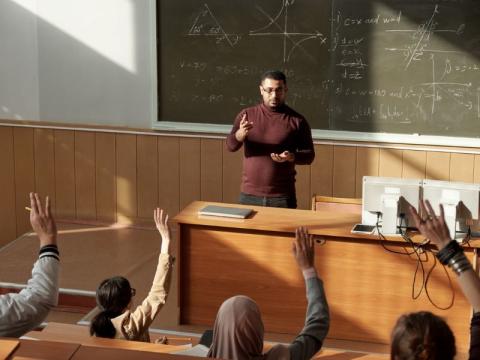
(121, 177)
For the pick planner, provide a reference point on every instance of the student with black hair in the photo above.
(114, 297)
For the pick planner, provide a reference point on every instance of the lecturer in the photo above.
(276, 138)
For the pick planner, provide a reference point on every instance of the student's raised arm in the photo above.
(450, 253)
(26, 310)
(317, 320)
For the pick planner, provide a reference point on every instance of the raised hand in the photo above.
(42, 220)
(303, 248)
(161, 221)
(282, 157)
(244, 128)
(432, 227)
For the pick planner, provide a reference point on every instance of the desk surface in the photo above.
(80, 334)
(51, 350)
(323, 223)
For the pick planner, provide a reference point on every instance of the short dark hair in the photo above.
(113, 296)
(275, 75)
(422, 335)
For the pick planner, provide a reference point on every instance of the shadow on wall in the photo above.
(92, 65)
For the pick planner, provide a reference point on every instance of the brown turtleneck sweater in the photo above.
(273, 131)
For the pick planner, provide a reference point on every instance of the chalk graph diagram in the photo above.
(278, 26)
(207, 24)
(437, 89)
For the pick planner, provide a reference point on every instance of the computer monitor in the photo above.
(384, 201)
(460, 203)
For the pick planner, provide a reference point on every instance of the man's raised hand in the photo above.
(244, 128)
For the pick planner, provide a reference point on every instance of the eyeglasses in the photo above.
(270, 91)
(134, 292)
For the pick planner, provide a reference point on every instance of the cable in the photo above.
(422, 256)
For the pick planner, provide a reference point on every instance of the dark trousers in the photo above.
(286, 201)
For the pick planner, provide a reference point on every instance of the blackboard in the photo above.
(395, 66)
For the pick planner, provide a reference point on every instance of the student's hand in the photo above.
(282, 157)
(433, 227)
(244, 128)
(42, 220)
(303, 249)
(161, 221)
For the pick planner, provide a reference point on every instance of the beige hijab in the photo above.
(238, 333)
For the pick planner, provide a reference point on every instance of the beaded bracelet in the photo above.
(448, 252)
(459, 263)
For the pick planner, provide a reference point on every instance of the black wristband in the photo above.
(448, 252)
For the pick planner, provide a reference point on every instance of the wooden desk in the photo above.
(89, 352)
(80, 334)
(51, 350)
(367, 287)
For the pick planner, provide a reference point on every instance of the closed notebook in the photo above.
(214, 210)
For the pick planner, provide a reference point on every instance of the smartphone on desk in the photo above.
(363, 229)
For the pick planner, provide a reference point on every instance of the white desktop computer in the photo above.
(384, 202)
(460, 203)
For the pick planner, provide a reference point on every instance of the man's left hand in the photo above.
(282, 157)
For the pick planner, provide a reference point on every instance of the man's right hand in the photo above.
(42, 220)
(244, 128)
(303, 249)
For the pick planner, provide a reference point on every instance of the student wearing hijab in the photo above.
(238, 330)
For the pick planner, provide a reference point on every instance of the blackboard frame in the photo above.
(201, 130)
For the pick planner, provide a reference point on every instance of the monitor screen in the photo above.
(384, 195)
(460, 202)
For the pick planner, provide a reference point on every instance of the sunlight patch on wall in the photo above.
(82, 20)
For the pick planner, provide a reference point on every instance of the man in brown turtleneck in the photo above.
(275, 138)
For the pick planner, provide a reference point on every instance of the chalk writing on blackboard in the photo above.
(279, 26)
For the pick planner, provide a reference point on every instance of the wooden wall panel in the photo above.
(147, 175)
(45, 164)
(211, 175)
(126, 161)
(169, 174)
(85, 175)
(390, 163)
(232, 174)
(368, 160)
(189, 170)
(65, 173)
(24, 176)
(414, 164)
(438, 166)
(461, 167)
(344, 170)
(303, 187)
(130, 174)
(8, 228)
(476, 169)
(322, 171)
(105, 177)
